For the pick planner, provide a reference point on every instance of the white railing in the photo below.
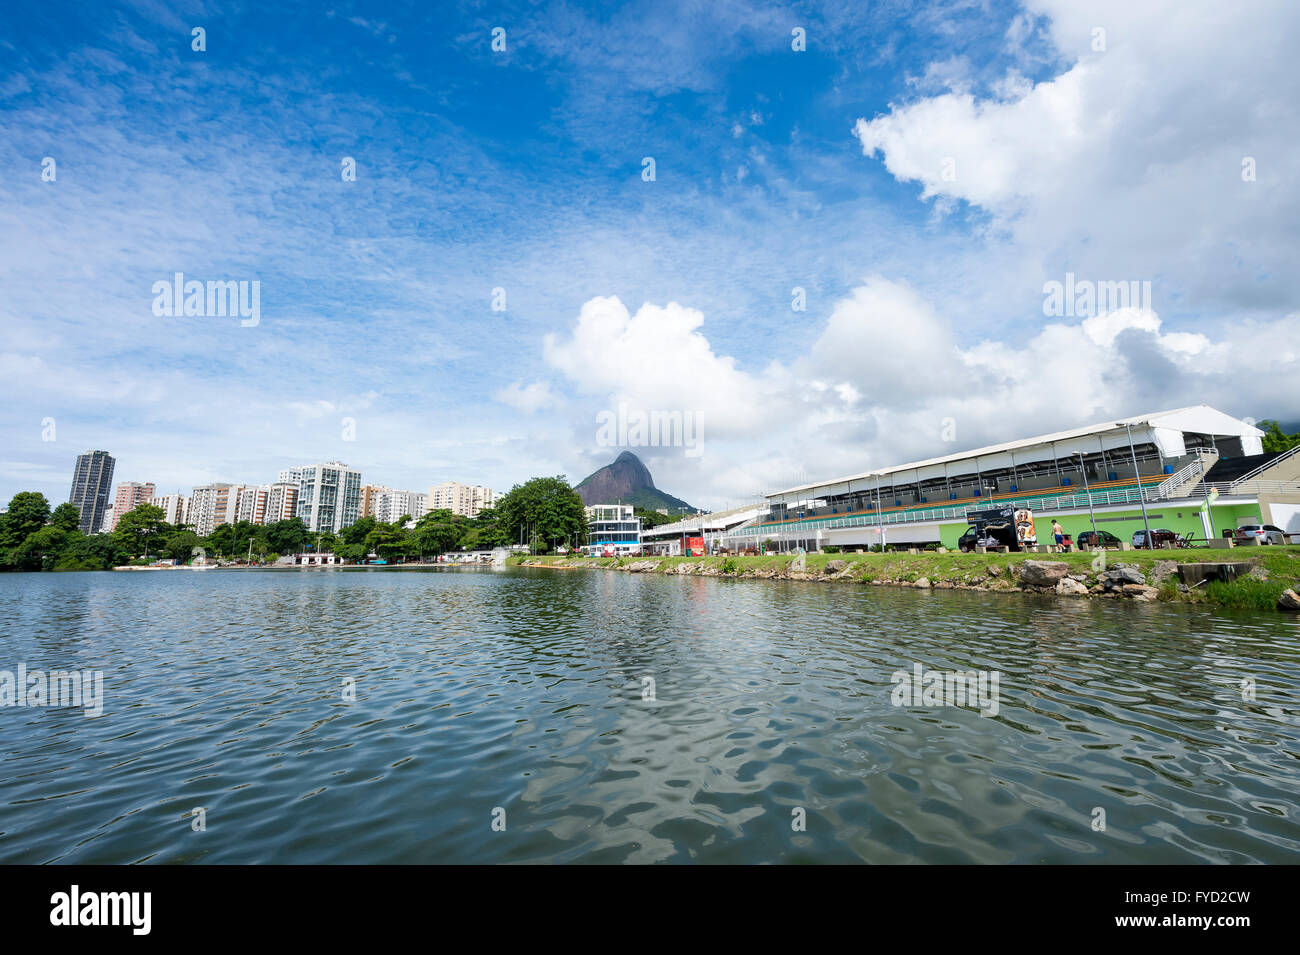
(1194, 469)
(1268, 464)
(930, 514)
(1130, 495)
(1241, 489)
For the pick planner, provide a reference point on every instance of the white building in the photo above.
(251, 505)
(464, 499)
(329, 496)
(612, 529)
(213, 504)
(281, 501)
(175, 508)
(389, 505)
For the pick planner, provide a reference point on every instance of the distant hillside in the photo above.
(627, 481)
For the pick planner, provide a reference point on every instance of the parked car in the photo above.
(1266, 533)
(1088, 539)
(1159, 537)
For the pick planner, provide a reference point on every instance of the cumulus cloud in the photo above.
(886, 376)
(526, 398)
(1129, 162)
(657, 359)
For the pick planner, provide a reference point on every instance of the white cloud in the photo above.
(876, 383)
(528, 399)
(1128, 164)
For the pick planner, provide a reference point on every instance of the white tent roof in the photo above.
(1163, 427)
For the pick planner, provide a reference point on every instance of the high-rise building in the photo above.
(464, 499)
(213, 504)
(129, 496)
(175, 508)
(329, 496)
(391, 505)
(252, 503)
(369, 499)
(290, 476)
(281, 501)
(92, 483)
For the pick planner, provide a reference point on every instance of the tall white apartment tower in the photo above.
(329, 496)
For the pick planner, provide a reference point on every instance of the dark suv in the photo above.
(1096, 539)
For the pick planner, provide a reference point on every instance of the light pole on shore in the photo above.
(1088, 494)
(1142, 498)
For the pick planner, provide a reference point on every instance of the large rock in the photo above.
(923, 583)
(1140, 592)
(1117, 577)
(1043, 573)
(1069, 587)
(1289, 600)
(1163, 569)
(835, 566)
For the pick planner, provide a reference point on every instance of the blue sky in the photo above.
(477, 169)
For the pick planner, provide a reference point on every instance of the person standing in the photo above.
(1058, 532)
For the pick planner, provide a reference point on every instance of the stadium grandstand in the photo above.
(1196, 471)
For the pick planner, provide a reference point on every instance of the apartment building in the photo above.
(391, 505)
(370, 498)
(464, 499)
(129, 496)
(281, 501)
(175, 508)
(329, 496)
(92, 482)
(251, 505)
(213, 504)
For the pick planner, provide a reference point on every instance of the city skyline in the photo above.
(215, 503)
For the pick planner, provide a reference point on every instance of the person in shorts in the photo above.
(1058, 532)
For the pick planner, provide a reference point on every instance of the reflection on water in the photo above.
(523, 690)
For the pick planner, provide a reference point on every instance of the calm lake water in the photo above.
(523, 690)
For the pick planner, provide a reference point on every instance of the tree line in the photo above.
(542, 514)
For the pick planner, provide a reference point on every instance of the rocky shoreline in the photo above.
(1164, 580)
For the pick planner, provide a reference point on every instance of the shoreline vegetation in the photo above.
(1273, 574)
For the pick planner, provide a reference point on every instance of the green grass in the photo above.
(1244, 593)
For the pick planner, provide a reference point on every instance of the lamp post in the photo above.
(1142, 498)
(1092, 515)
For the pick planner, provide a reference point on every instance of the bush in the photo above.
(1244, 593)
(731, 566)
(832, 549)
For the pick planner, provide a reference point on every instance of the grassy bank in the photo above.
(1275, 569)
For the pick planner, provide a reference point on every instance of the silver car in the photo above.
(1266, 533)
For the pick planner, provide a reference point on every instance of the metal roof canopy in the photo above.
(717, 520)
(1165, 429)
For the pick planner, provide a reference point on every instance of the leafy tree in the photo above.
(1275, 439)
(287, 536)
(139, 528)
(180, 545)
(486, 531)
(545, 510)
(42, 548)
(96, 552)
(357, 533)
(28, 512)
(439, 531)
(389, 541)
(66, 516)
